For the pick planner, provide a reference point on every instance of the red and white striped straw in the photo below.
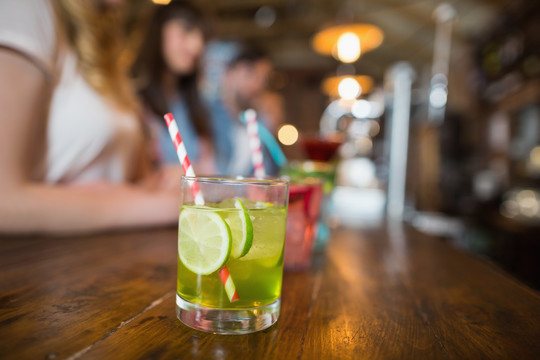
(183, 157)
(227, 281)
(224, 274)
(254, 142)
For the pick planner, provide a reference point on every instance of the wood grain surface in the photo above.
(384, 293)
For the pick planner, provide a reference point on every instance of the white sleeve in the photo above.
(28, 27)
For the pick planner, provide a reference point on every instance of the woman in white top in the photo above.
(72, 153)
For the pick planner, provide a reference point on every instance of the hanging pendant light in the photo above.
(347, 42)
(348, 86)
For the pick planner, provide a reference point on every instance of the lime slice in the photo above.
(204, 240)
(241, 229)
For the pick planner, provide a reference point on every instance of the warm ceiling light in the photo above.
(326, 41)
(348, 47)
(330, 86)
(161, 2)
(349, 89)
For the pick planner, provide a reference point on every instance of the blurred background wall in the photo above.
(473, 166)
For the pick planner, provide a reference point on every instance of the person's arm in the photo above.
(30, 207)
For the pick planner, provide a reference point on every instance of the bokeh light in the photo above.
(535, 156)
(265, 17)
(287, 134)
(349, 88)
(374, 128)
(348, 47)
(361, 109)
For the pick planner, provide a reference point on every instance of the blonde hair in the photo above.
(96, 33)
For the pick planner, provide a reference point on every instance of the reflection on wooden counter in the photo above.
(374, 294)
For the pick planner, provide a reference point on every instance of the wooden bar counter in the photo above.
(385, 293)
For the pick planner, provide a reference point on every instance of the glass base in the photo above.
(227, 321)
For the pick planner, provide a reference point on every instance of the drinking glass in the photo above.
(304, 205)
(326, 173)
(240, 291)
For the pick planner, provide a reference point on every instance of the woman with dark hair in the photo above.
(166, 73)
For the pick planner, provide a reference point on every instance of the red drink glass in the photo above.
(303, 213)
(319, 148)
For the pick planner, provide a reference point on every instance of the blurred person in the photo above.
(167, 76)
(243, 83)
(271, 106)
(72, 155)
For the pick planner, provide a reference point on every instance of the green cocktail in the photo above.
(243, 234)
(257, 275)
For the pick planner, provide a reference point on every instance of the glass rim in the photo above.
(238, 180)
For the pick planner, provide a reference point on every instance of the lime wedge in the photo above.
(241, 229)
(204, 240)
